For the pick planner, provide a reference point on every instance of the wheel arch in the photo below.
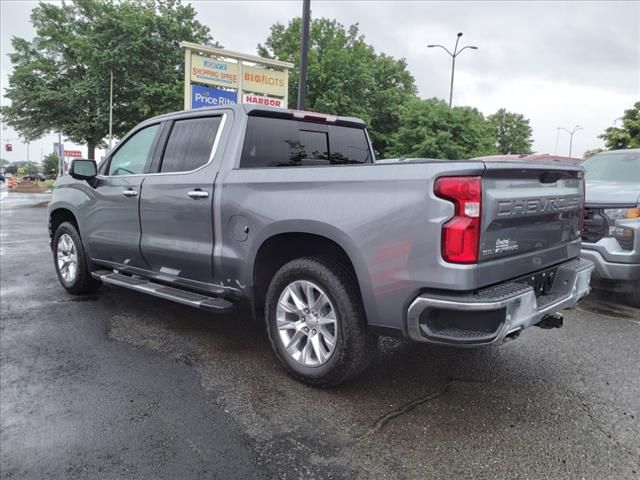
(283, 246)
(57, 217)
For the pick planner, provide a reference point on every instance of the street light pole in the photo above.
(453, 56)
(304, 47)
(111, 109)
(571, 133)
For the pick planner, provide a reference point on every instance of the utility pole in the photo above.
(557, 139)
(111, 109)
(453, 56)
(571, 134)
(60, 154)
(304, 47)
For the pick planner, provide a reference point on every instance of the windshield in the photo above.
(614, 167)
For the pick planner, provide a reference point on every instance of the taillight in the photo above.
(461, 234)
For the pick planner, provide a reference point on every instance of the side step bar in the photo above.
(216, 304)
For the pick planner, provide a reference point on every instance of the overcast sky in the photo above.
(558, 63)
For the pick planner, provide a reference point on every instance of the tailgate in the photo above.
(531, 216)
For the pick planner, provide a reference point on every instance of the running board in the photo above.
(197, 300)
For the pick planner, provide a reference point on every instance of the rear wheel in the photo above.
(71, 262)
(316, 322)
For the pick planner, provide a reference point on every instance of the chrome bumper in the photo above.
(509, 307)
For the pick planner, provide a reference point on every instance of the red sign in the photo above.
(260, 100)
(73, 153)
(8, 147)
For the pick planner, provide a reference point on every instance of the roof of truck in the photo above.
(260, 110)
(530, 157)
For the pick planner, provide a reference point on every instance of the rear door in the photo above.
(112, 225)
(176, 205)
(531, 218)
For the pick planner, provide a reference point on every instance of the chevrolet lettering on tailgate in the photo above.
(537, 205)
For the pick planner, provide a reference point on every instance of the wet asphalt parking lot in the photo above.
(118, 385)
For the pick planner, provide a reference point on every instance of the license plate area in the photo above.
(542, 282)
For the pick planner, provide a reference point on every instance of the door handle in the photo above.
(196, 194)
(130, 193)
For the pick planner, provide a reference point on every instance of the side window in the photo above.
(275, 142)
(270, 142)
(131, 157)
(189, 144)
(348, 145)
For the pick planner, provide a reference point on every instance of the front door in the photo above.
(112, 222)
(176, 205)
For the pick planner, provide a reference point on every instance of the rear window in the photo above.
(190, 143)
(276, 142)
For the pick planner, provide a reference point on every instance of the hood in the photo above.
(612, 193)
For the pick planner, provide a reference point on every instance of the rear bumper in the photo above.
(492, 314)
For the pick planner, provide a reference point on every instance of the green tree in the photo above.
(60, 79)
(627, 136)
(512, 131)
(4, 163)
(50, 164)
(429, 128)
(30, 168)
(591, 153)
(345, 76)
(12, 169)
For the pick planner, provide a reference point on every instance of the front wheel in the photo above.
(316, 322)
(633, 297)
(71, 262)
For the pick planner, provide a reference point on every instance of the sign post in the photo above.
(215, 76)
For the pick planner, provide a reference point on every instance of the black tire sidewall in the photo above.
(346, 309)
(83, 281)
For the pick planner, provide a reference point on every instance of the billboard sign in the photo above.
(211, 71)
(261, 100)
(243, 78)
(202, 96)
(73, 153)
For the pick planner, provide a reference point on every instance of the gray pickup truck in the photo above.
(287, 211)
(611, 233)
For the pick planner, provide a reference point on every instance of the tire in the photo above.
(67, 241)
(353, 345)
(633, 297)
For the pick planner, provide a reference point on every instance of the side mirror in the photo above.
(83, 169)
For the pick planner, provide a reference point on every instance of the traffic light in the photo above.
(8, 147)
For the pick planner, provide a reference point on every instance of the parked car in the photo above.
(34, 177)
(287, 211)
(611, 237)
(2, 178)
